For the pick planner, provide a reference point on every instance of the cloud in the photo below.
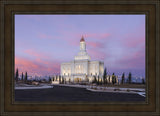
(32, 53)
(74, 42)
(136, 60)
(95, 44)
(97, 35)
(37, 66)
(134, 41)
(44, 36)
(133, 62)
(96, 54)
(89, 42)
(25, 64)
(136, 38)
(36, 54)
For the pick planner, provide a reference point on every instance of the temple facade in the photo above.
(82, 69)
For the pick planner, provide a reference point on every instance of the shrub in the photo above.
(128, 90)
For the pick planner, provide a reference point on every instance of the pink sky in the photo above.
(43, 42)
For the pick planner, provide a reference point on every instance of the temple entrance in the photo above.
(77, 80)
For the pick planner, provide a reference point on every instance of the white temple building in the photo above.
(82, 69)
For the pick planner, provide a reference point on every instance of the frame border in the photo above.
(5, 3)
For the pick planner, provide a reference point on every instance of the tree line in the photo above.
(129, 79)
(24, 78)
(105, 81)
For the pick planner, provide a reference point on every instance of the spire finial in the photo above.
(82, 39)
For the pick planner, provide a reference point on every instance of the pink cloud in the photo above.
(74, 39)
(105, 35)
(134, 42)
(25, 64)
(136, 60)
(136, 38)
(37, 66)
(34, 53)
(97, 36)
(96, 54)
(74, 42)
(44, 36)
(95, 44)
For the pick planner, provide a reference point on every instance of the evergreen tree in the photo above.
(26, 77)
(130, 78)
(123, 75)
(104, 76)
(101, 82)
(113, 79)
(95, 80)
(98, 80)
(62, 80)
(65, 81)
(143, 81)
(22, 76)
(17, 75)
(59, 79)
(50, 79)
(56, 77)
(109, 79)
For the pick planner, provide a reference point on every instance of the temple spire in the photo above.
(82, 54)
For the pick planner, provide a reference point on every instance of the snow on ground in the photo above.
(25, 86)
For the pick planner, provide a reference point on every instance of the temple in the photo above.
(82, 69)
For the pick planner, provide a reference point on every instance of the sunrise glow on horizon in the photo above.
(43, 42)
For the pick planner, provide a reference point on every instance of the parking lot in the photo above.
(72, 94)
